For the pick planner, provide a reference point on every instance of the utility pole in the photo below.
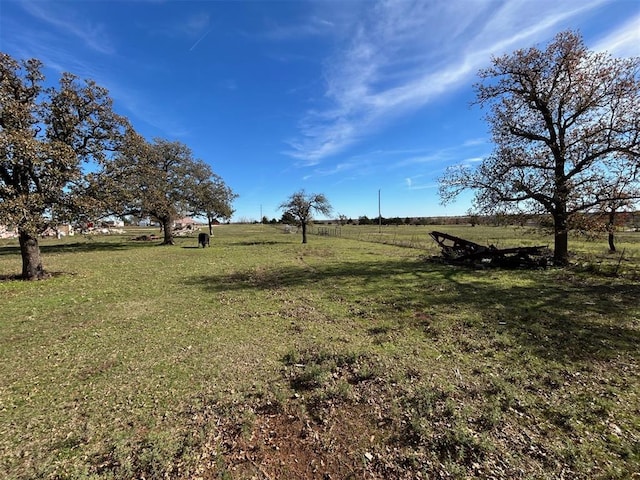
(379, 214)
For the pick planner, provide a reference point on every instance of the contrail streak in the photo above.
(200, 39)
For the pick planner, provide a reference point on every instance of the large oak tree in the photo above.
(46, 134)
(561, 119)
(161, 180)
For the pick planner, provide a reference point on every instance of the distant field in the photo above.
(502, 237)
(593, 251)
(350, 357)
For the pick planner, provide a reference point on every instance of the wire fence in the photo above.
(390, 235)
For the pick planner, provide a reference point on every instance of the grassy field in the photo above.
(349, 357)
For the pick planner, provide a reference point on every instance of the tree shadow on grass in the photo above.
(18, 278)
(561, 320)
(555, 315)
(89, 246)
(251, 243)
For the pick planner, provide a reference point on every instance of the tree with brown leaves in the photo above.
(46, 135)
(561, 120)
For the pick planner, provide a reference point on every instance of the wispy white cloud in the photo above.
(354, 167)
(49, 46)
(623, 42)
(228, 84)
(138, 106)
(425, 186)
(419, 182)
(309, 27)
(193, 27)
(472, 142)
(407, 165)
(401, 55)
(471, 150)
(473, 160)
(195, 24)
(68, 22)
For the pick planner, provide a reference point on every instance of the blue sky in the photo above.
(344, 98)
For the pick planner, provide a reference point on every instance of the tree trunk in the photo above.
(31, 261)
(611, 229)
(612, 243)
(304, 232)
(561, 240)
(560, 216)
(168, 232)
(210, 226)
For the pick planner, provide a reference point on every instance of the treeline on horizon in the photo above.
(587, 221)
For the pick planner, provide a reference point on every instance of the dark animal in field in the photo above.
(203, 239)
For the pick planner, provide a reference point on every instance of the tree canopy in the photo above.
(562, 119)
(66, 156)
(211, 197)
(161, 180)
(46, 134)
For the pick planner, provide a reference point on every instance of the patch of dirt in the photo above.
(321, 432)
(283, 445)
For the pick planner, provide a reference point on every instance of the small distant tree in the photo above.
(473, 218)
(301, 207)
(288, 219)
(211, 197)
(614, 211)
(619, 188)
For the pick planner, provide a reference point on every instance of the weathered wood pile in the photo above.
(146, 238)
(459, 251)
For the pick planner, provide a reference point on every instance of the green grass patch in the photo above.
(262, 357)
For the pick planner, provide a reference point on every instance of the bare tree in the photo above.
(560, 118)
(620, 190)
(301, 206)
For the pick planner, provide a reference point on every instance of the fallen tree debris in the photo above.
(457, 250)
(146, 238)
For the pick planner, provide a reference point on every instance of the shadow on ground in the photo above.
(555, 315)
(88, 246)
(260, 242)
